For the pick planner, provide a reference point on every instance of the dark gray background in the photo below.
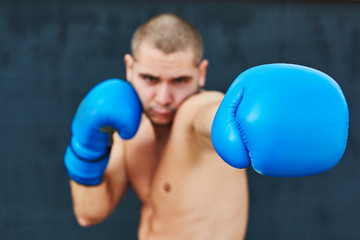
(53, 52)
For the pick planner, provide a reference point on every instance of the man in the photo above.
(285, 120)
(186, 190)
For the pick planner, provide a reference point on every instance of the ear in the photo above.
(129, 63)
(202, 72)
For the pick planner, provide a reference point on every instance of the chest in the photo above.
(142, 163)
(154, 167)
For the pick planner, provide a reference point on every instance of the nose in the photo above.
(163, 95)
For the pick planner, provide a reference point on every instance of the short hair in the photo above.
(168, 33)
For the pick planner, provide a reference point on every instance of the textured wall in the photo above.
(53, 52)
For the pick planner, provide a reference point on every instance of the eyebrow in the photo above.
(144, 75)
(181, 77)
(184, 77)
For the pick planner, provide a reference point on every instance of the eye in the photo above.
(149, 78)
(181, 80)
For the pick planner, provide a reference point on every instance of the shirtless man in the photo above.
(285, 120)
(186, 190)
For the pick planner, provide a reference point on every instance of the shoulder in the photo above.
(204, 97)
(197, 104)
(201, 100)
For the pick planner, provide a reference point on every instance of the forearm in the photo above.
(92, 204)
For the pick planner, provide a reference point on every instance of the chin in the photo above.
(161, 123)
(160, 119)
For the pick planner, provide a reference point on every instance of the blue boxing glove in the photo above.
(112, 104)
(285, 120)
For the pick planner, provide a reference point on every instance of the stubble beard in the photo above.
(167, 109)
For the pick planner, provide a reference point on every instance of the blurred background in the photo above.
(53, 52)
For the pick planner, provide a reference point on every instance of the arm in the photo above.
(95, 164)
(233, 181)
(208, 103)
(92, 204)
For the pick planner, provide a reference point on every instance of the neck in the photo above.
(161, 132)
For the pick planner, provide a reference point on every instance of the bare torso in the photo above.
(186, 190)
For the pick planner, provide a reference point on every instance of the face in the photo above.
(164, 81)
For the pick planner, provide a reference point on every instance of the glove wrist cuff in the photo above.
(85, 171)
